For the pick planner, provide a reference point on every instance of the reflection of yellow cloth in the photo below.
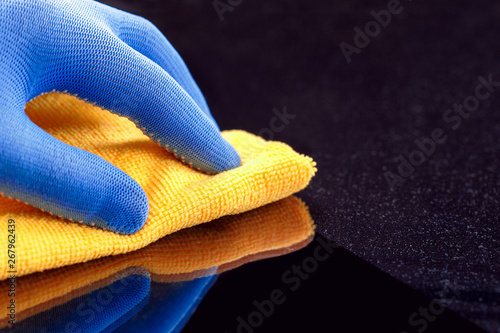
(179, 197)
(272, 230)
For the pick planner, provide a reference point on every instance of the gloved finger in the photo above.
(67, 181)
(110, 73)
(147, 39)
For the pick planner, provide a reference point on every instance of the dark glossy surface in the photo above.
(343, 294)
(319, 286)
(439, 229)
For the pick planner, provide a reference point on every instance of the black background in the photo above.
(438, 229)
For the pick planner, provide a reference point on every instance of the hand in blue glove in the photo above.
(118, 61)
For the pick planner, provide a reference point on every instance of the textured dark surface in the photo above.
(439, 229)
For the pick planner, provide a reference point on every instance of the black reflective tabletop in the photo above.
(311, 288)
(397, 102)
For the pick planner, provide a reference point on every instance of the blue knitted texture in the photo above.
(118, 61)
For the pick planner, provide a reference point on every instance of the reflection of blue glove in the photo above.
(169, 307)
(132, 304)
(93, 312)
(118, 61)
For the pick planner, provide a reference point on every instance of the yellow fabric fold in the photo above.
(211, 248)
(179, 197)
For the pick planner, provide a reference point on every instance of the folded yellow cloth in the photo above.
(179, 197)
(211, 248)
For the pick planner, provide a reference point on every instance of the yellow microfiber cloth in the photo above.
(211, 248)
(179, 197)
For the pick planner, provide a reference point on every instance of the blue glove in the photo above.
(118, 61)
